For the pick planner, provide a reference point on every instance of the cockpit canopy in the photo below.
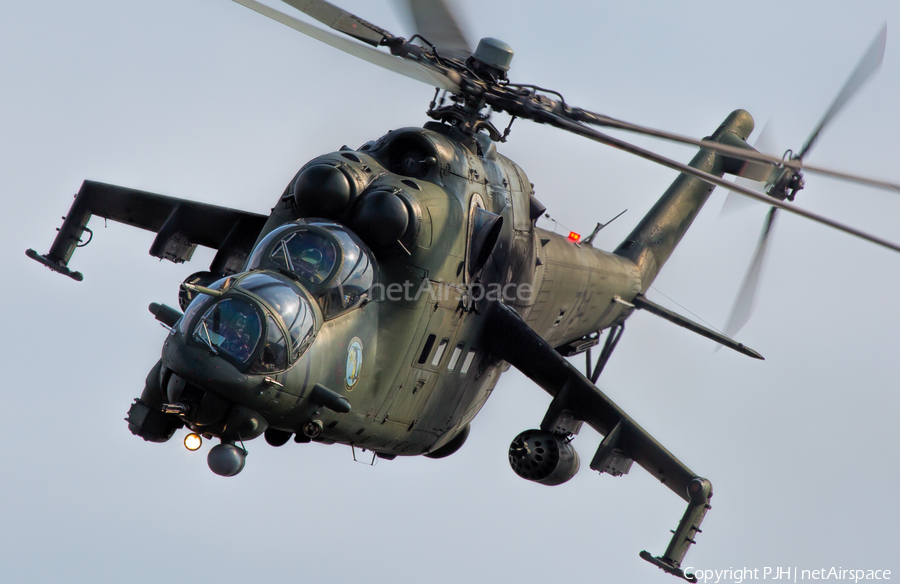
(261, 322)
(325, 257)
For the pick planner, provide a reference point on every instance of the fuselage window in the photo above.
(426, 349)
(454, 358)
(440, 352)
(467, 362)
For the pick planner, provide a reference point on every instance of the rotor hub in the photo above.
(494, 54)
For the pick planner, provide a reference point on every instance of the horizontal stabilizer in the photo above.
(641, 302)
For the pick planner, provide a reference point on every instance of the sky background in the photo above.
(209, 101)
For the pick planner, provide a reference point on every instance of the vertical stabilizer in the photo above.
(655, 237)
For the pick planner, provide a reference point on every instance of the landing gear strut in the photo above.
(700, 492)
(612, 339)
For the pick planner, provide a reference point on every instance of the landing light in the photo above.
(574, 237)
(192, 441)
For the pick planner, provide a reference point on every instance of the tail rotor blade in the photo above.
(868, 65)
(760, 171)
(765, 141)
(743, 304)
(734, 202)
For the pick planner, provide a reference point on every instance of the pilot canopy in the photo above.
(327, 259)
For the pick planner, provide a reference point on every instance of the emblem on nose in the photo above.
(354, 363)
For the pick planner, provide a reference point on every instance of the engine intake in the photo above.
(543, 457)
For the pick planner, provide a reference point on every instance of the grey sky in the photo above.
(209, 101)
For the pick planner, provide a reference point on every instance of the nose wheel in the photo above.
(226, 459)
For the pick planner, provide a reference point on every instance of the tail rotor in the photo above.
(785, 182)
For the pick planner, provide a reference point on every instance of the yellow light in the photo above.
(192, 441)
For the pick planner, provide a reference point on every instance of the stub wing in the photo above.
(576, 399)
(180, 225)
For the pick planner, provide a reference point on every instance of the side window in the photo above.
(439, 354)
(354, 280)
(426, 349)
(274, 354)
(454, 358)
(360, 279)
(468, 361)
(347, 293)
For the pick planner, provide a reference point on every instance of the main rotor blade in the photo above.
(868, 65)
(733, 151)
(341, 20)
(576, 128)
(412, 69)
(437, 23)
(743, 304)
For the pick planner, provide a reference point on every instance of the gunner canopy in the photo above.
(260, 320)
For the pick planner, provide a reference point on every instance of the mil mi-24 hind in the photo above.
(390, 286)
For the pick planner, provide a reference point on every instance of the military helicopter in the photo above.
(293, 331)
